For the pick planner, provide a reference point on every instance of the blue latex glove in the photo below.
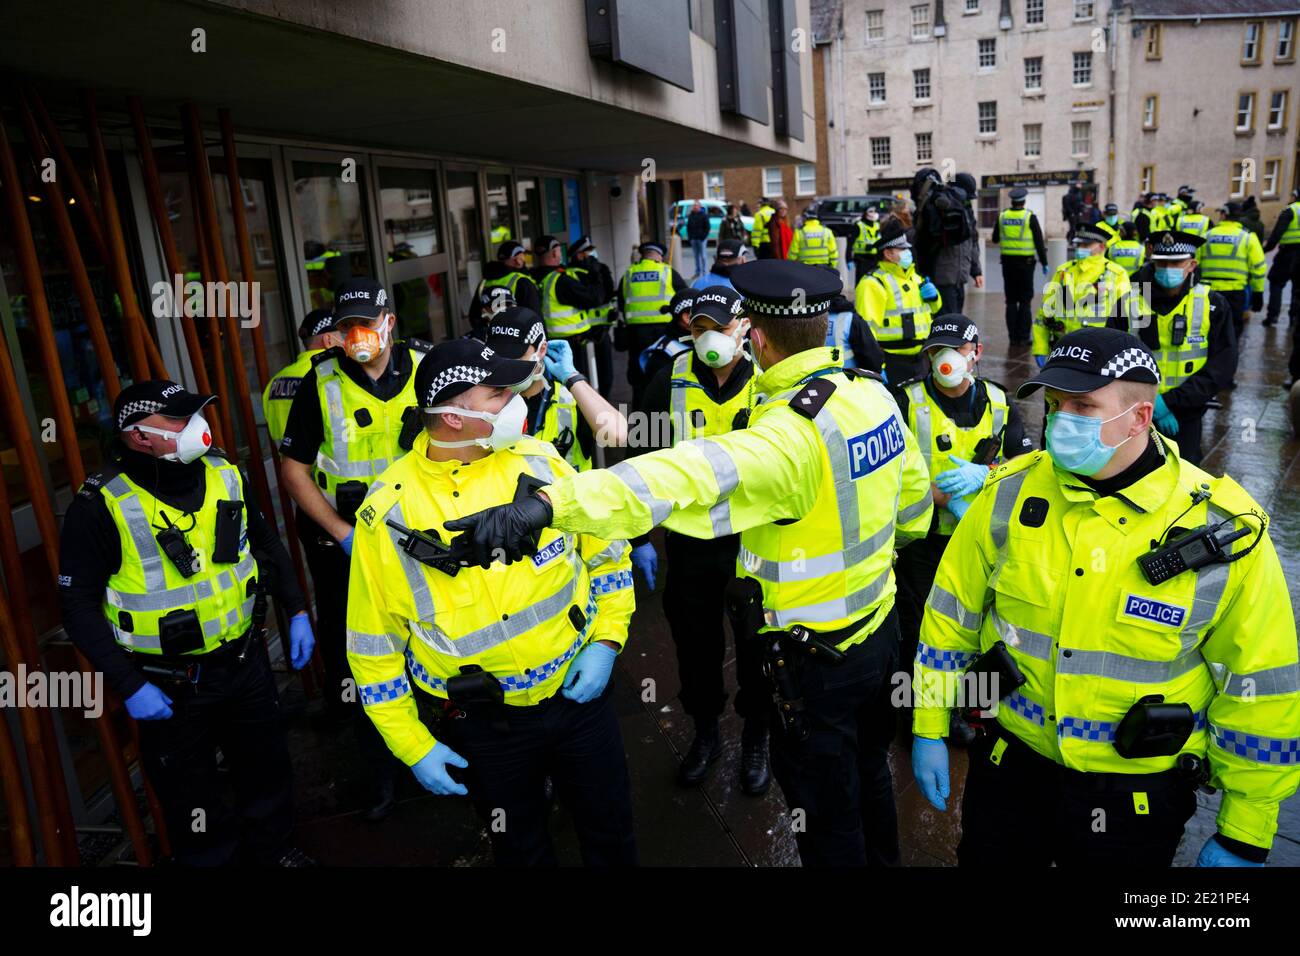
(1215, 853)
(930, 768)
(646, 560)
(963, 479)
(149, 703)
(884, 375)
(1044, 270)
(431, 771)
(301, 640)
(928, 291)
(589, 673)
(1165, 420)
(346, 543)
(559, 360)
(958, 507)
(1041, 360)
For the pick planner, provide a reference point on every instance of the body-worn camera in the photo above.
(229, 529)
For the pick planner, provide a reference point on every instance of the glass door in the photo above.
(414, 245)
(329, 215)
(466, 232)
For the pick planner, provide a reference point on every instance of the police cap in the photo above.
(784, 289)
(1088, 359)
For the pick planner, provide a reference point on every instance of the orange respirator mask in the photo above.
(363, 343)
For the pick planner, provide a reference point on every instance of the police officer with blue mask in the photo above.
(1188, 328)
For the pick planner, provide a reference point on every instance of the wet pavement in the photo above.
(717, 824)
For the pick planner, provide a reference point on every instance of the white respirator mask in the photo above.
(951, 368)
(507, 424)
(192, 441)
(717, 349)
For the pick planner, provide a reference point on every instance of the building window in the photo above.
(921, 22)
(771, 181)
(1033, 73)
(1285, 52)
(1082, 75)
(1084, 9)
(1238, 177)
(924, 147)
(1147, 179)
(805, 179)
(1250, 42)
(876, 87)
(1033, 140)
(1277, 110)
(921, 83)
(263, 252)
(1150, 112)
(988, 54)
(972, 6)
(1153, 42)
(714, 185)
(880, 155)
(875, 25)
(1081, 138)
(1272, 176)
(1033, 11)
(1245, 112)
(988, 117)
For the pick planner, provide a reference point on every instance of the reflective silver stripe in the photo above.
(913, 511)
(846, 493)
(137, 524)
(834, 610)
(677, 397)
(1022, 639)
(725, 474)
(230, 477)
(998, 402)
(540, 467)
(808, 569)
(1124, 668)
(613, 552)
(625, 472)
(161, 600)
(1266, 683)
(919, 407)
(1211, 581)
(414, 571)
(897, 293)
(1004, 502)
(143, 642)
(564, 419)
(654, 298)
(945, 602)
(374, 645)
(341, 466)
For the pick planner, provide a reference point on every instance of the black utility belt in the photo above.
(186, 669)
(821, 646)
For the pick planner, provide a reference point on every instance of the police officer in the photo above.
(866, 242)
(317, 335)
(646, 289)
(1019, 235)
(897, 302)
(673, 341)
(514, 661)
(507, 275)
(728, 256)
(588, 267)
(1112, 217)
(567, 300)
(1192, 220)
(814, 244)
(760, 234)
(1138, 684)
(344, 428)
(1181, 203)
(820, 485)
(850, 333)
(1285, 238)
(563, 408)
(1126, 250)
(1158, 216)
(1232, 263)
(708, 390)
(162, 556)
(1086, 291)
(1188, 328)
(963, 423)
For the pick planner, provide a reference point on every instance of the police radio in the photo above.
(172, 541)
(1187, 552)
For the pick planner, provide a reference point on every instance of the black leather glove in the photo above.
(1256, 301)
(504, 533)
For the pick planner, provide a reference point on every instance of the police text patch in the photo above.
(550, 552)
(870, 450)
(1150, 610)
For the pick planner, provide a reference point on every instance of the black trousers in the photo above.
(234, 706)
(1027, 810)
(899, 368)
(839, 775)
(953, 297)
(1190, 429)
(1237, 302)
(863, 266)
(1285, 268)
(329, 565)
(695, 607)
(580, 748)
(640, 338)
(914, 573)
(599, 337)
(1018, 283)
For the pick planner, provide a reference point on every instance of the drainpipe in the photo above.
(1113, 43)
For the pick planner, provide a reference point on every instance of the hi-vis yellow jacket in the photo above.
(1082, 293)
(523, 623)
(1064, 591)
(851, 478)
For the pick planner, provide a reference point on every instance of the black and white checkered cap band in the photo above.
(896, 241)
(535, 334)
(132, 408)
(1173, 249)
(323, 324)
(807, 310)
(450, 376)
(1124, 362)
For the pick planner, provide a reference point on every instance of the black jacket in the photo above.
(698, 225)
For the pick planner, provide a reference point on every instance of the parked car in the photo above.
(841, 213)
(717, 210)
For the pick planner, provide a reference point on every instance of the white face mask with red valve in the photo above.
(192, 441)
(952, 367)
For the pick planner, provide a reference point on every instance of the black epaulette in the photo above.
(218, 452)
(902, 386)
(864, 373)
(93, 482)
(420, 345)
(810, 399)
(334, 351)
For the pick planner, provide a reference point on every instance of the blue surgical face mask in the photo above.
(1082, 252)
(1074, 441)
(1169, 277)
(905, 259)
(1111, 220)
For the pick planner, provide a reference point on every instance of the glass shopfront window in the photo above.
(409, 212)
(329, 211)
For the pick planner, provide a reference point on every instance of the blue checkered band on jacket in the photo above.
(938, 660)
(1104, 730)
(372, 694)
(1026, 708)
(606, 583)
(514, 682)
(1285, 750)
